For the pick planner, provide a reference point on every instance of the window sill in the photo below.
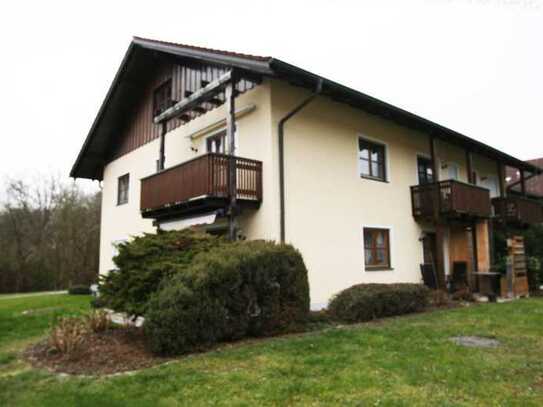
(384, 268)
(121, 203)
(374, 179)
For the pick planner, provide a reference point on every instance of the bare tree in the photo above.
(49, 234)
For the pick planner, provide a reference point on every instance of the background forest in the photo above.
(49, 235)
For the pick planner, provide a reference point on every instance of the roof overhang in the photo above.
(133, 68)
(402, 117)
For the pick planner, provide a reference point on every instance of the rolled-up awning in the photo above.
(178, 224)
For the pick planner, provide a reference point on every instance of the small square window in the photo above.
(122, 189)
(376, 249)
(371, 160)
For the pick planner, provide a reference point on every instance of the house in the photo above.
(256, 148)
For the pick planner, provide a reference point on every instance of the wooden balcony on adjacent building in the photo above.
(200, 185)
(517, 210)
(448, 200)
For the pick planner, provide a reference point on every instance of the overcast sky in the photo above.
(472, 65)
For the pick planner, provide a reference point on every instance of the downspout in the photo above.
(161, 155)
(281, 131)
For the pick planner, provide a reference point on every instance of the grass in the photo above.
(404, 361)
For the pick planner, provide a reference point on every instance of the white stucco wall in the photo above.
(120, 222)
(328, 204)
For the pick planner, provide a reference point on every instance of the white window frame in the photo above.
(118, 201)
(391, 252)
(222, 130)
(386, 148)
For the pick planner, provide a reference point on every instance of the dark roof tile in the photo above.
(203, 49)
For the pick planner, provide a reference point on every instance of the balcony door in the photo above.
(425, 170)
(216, 143)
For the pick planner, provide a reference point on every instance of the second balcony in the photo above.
(450, 200)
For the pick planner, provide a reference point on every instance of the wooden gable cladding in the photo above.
(139, 129)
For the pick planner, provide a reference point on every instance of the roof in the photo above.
(202, 49)
(534, 185)
(91, 159)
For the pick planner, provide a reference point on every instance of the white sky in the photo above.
(472, 65)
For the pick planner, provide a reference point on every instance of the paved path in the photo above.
(10, 296)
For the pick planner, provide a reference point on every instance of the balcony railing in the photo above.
(450, 199)
(204, 179)
(518, 210)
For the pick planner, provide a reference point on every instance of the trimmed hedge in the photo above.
(365, 302)
(79, 290)
(242, 289)
(144, 261)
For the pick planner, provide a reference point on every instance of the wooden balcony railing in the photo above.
(202, 178)
(518, 210)
(450, 199)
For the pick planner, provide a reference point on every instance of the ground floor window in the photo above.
(123, 184)
(376, 248)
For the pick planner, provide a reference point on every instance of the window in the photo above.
(371, 160)
(491, 183)
(376, 249)
(425, 170)
(122, 189)
(216, 143)
(162, 98)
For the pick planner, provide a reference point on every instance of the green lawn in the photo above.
(404, 361)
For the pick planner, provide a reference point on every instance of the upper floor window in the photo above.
(162, 98)
(122, 189)
(376, 249)
(371, 160)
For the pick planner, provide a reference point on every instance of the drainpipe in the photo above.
(281, 131)
(161, 155)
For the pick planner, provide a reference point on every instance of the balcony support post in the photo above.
(437, 191)
(501, 177)
(469, 166)
(433, 143)
(230, 138)
(523, 183)
(440, 256)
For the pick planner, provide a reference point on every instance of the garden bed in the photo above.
(113, 351)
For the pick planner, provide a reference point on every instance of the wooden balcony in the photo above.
(200, 185)
(449, 200)
(517, 210)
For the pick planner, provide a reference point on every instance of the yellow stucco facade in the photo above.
(328, 204)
